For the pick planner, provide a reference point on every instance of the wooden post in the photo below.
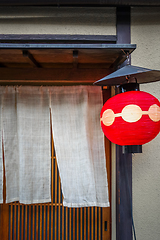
(4, 210)
(106, 216)
(123, 160)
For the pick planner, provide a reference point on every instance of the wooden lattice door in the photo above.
(52, 220)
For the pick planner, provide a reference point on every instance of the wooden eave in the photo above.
(61, 61)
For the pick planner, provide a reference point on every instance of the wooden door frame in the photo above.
(65, 42)
(123, 159)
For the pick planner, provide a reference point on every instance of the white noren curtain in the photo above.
(79, 145)
(1, 154)
(26, 127)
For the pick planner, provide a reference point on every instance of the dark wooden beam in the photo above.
(60, 38)
(75, 58)
(2, 65)
(123, 160)
(48, 76)
(30, 58)
(80, 3)
(21, 45)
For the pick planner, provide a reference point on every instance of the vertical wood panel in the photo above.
(85, 235)
(48, 221)
(4, 207)
(37, 222)
(54, 221)
(33, 221)
(11, 222)
(77, 223)
(26, 211)
(15, 222)
(66, 223)
(56, 201)
(19, 221)
(74, 225)
(22, 222)
(70, 222)
(99, 209)
(88, 223)
(4, 221)
(1, 221)
(59, 209)
(96, 223)
(92, 223)
(29, 232)
(44, 222)
(81, 219)
(40, 230)
(62, 223)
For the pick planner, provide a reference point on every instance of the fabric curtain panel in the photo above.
(1, 152)
(26, 130)
(79, 145)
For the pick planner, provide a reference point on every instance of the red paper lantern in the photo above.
(131, 118)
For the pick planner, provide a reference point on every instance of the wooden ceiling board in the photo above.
(61, 56)
(38, 64)
(12, 58)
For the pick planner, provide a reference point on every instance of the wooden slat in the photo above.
(59, 208)
(44, 222)
(52, 221)
(77, 223)
(4, 221)
(92, 223)
(56, 200)
(96, 223)
(52, 184)
(25, 206)
(48, 221)
(81, 223)
(59, 221)
(22, 221)
(85, 235)
(4, 218)
(88, 222)
(62, 222)
(40, 230)
(66, 223)
(15, 221)
(37, 221)
(40, 74)
(1, 221)
(33, 221)
(99, 210)
(11, 222)
(19, 221)
(74, 225)
(29, 222)
(70, 223)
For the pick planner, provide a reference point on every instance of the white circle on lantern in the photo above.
(154, 113)
(108, 117)
(131, 113)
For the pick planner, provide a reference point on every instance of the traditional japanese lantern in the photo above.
(131, 118)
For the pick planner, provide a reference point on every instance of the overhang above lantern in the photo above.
(128, 74)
